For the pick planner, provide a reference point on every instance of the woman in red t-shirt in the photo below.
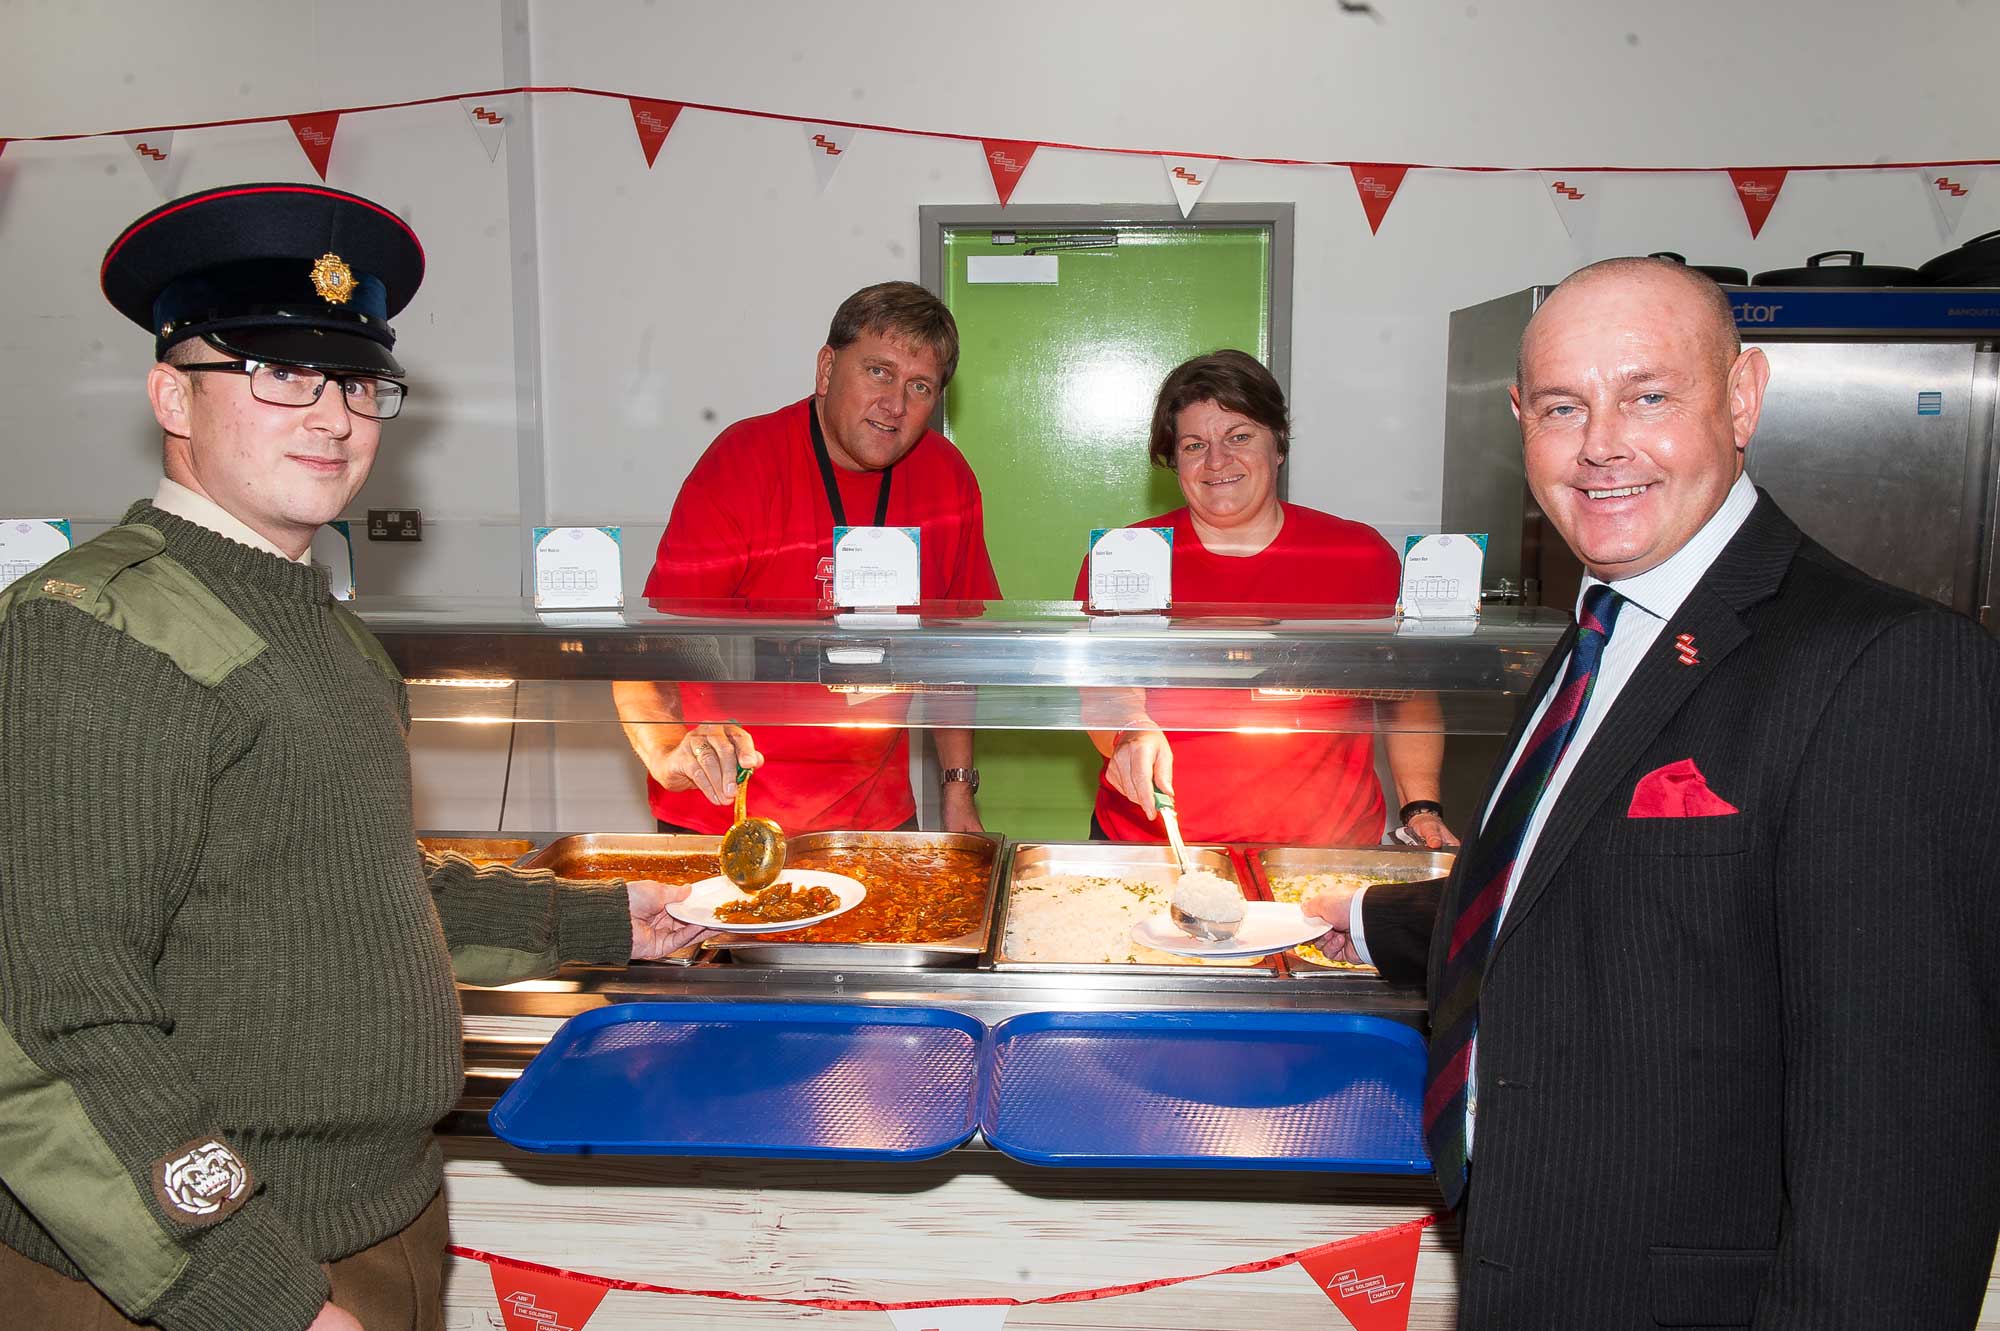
(1220, 423)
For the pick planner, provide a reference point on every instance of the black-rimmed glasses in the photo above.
(367, 395)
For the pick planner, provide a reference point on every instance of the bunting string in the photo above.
(751, 112)
(1315, 1253)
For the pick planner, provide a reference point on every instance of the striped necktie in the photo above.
(1482, 889)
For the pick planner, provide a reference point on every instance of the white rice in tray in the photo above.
(1073, 918)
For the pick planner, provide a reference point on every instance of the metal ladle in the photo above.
(753, 849)
(1213, 931)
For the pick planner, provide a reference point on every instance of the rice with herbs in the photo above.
(1297, 887)
(1074, 918)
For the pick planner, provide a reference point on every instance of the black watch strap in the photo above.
(1415, 807)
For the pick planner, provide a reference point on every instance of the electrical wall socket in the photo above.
(395, 524)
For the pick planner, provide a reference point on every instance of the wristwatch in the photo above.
(1415, 807)
(969, 775)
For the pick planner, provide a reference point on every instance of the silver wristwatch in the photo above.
(969, 775)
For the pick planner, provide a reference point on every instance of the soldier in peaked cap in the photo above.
(227, 1017)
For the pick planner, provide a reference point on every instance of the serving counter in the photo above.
(972, 1222)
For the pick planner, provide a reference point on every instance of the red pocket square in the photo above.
(1678, 790)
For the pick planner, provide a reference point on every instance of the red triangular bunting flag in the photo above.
(315, 133)
(1369, 1278)
(3, 147)
(654, 121)
(533, 1300)
(1378, 183)
(1758, 190)
(1007, 159)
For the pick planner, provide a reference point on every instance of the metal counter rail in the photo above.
(1036, 645)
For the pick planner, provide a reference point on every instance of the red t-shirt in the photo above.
(1313, 789)
(752, 522)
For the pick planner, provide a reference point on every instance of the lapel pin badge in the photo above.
(1684, 644)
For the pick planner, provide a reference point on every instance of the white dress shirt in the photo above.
(175, 498)
(1651, 599)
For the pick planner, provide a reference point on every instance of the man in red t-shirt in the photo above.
(754, 522)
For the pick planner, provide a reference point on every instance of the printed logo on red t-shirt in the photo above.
(825, 579)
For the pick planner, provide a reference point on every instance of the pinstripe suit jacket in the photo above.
(1745, 1070)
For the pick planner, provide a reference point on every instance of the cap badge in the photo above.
(333, 279)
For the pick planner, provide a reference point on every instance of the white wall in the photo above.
(676, 300)
(712, 279)
(76, 437)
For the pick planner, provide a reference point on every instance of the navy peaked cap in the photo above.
(289, 273)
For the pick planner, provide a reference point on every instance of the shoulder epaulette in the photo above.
(365, 642)
(127, 581)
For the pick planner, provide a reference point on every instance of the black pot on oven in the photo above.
(1854, 273)
(1729, 277)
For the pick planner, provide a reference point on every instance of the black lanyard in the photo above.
(826, 477)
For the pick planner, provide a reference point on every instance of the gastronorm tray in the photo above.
(482, 848)
(663, 857)
(1030, 860)
(1380, 864)
(811, 947)
(826, 1081)
(1207, 1090)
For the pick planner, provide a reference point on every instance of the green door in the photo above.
(1052, 405)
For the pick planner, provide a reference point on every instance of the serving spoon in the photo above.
(1213, 931)
(753, 849)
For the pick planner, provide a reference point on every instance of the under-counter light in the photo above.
(461, 683)
(878, 690)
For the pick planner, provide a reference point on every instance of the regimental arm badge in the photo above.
(202, 1183)
(333, 279)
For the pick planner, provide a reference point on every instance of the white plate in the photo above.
(698, 907)
(1268, 926)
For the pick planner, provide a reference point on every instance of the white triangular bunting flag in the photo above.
(489, 117)
(1189, 176)
(828, 145)
(964, 1317)
(1951, 190)
(1576, 202)
(156, 153)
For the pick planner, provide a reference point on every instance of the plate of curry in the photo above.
(799, 898)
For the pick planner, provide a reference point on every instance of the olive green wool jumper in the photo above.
(227, 1018)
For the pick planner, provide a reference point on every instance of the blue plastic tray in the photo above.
(1207, 1090)
(792, 1080)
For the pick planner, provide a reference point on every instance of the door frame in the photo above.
(934, 218)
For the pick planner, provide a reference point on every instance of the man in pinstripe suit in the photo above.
(1716, 988)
